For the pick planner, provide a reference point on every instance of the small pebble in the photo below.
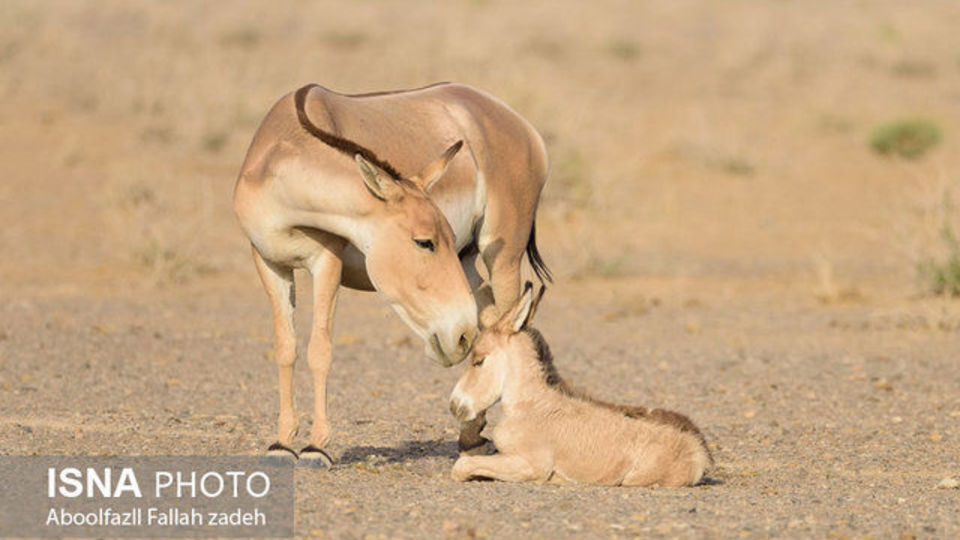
(949, 483)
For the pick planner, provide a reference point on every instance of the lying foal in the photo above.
(552, 433)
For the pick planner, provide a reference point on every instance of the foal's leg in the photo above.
(278, 281)
(326, 271)
(509, 468)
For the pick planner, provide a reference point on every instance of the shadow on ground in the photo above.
(408, 451)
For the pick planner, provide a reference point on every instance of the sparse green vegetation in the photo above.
(833, 123)
(624, 49)
(888, 34)
(569, 175)
(943, 275)
(547, 48)
(157, 135)
(608, 267)
(737, 166)
(344, 40)
(243, 38)
(913, 68)
(910, 138)
(214, 141)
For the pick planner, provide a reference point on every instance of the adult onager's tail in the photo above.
(536, 261)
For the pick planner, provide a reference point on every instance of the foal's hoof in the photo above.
(281, 454)
(314, 458)
(481, 447)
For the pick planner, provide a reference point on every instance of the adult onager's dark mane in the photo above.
(344, 146)
(552, 378)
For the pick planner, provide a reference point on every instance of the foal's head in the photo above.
(498, 346)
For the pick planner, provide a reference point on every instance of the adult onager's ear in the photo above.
(522, 313)
(434, 171)
(380, 184)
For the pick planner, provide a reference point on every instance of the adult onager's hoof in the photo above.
(481, 447)
(281, 454)
(314, 458)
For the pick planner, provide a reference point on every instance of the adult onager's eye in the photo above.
(425, 244)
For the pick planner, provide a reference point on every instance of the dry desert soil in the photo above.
(726, 244)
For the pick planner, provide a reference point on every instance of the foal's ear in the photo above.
(380, 184)
(520, 316)
(535, 304)
(433, 172)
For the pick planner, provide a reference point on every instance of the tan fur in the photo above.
(346, 187)
(551, 433)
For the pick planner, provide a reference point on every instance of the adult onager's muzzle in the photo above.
(452, 347)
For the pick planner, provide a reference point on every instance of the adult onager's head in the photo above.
(411, 259)
(497, 347)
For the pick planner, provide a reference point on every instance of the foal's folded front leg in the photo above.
(509, 468)
(471, 443)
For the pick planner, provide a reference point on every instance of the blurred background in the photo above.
(805, 146)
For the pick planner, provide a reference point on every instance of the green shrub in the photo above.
(624, 49)
(943, 276)
(905, 138)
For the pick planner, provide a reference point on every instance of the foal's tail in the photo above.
(536, 261)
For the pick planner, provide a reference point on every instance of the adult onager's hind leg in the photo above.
(470, 441)
(502, 257)
(508, 468)
(505, 282)
(326, 271)
(278, 282)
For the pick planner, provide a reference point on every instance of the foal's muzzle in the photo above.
(461, 411)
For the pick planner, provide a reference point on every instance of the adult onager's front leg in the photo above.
(326, 269)
(508, 468)
(278, 282)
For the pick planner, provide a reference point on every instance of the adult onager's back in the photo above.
(550, 432)
(397, 192)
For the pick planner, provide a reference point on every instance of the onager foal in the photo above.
(552, 433)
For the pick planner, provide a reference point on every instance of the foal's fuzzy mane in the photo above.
(552, 378)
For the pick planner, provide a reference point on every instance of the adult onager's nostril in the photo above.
(466, 340)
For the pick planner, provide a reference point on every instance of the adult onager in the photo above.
(388, 192)
(550, 432)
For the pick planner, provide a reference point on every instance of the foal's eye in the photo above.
(479, 362)
(425, 244)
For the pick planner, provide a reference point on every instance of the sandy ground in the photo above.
(823, 420)
(725, 241)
